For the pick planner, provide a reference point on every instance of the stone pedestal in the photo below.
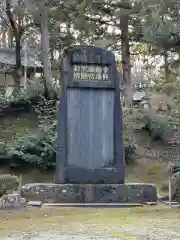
(90, 193)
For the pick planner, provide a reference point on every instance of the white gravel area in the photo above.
(142, 234)
(54, 236)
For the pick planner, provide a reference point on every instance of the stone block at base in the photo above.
(90, 193)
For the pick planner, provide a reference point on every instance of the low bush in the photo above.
(38, 151)
(3, 101)
(23, 101)
(46, 111)
(176, 186)
(24, 97)
(158, 87)
(169, 89)
(3, 149)
(156, 126)
(130, 151)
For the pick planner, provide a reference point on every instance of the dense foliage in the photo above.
(24, 101)
(140, 23)
(156, 126)
(3, 149)
(130, 151)
(39, 150)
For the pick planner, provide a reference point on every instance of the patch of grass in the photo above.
(115, 222)
(124, 236)
(12, 128)
(148, 172)
(142, 138)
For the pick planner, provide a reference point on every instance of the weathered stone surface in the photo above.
(176, 186)
(89, 193)
(12, 201)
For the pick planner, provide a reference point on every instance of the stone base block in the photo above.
(90, 193)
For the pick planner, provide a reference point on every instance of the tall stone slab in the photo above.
(90, 133)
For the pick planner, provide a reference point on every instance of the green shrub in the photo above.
(176, 187)
(3, 149)
(156, 126)
(158, 87)
(3, 101)
(46, 111)
(130, 151)
(23, 97)
(37, 151)
(18, 101)
(176, 165)
(169, 89)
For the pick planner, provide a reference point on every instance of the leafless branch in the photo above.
(23, 29)
(11, 17)
(2, 11)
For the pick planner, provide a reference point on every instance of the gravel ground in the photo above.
(75, 224)
(54, 236)
(143, 234)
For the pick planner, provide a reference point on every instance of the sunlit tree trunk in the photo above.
(17, 34)
(166, 66)
(10, 38)
(126, 65)
(45, 42)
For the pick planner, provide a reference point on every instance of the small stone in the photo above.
(35, 203)
(10, 201)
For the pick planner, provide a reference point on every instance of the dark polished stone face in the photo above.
(90, 55)
(90, 138)
(90, 128)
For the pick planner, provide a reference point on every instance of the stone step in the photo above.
(105, 205)
(151, 203)
(90, 193)
(172, 203)
(162, 198)
(35, 203)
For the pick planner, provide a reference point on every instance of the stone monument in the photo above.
(90, 133)
(90, 152)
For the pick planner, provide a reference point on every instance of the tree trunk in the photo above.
(17, 74)
(51, 50)
(166, 66)
(126, 67)
(45, 52)
(18, 71)
(10, 38)
(3, 40)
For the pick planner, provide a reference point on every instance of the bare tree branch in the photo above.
(23, 29)
(11, 17)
